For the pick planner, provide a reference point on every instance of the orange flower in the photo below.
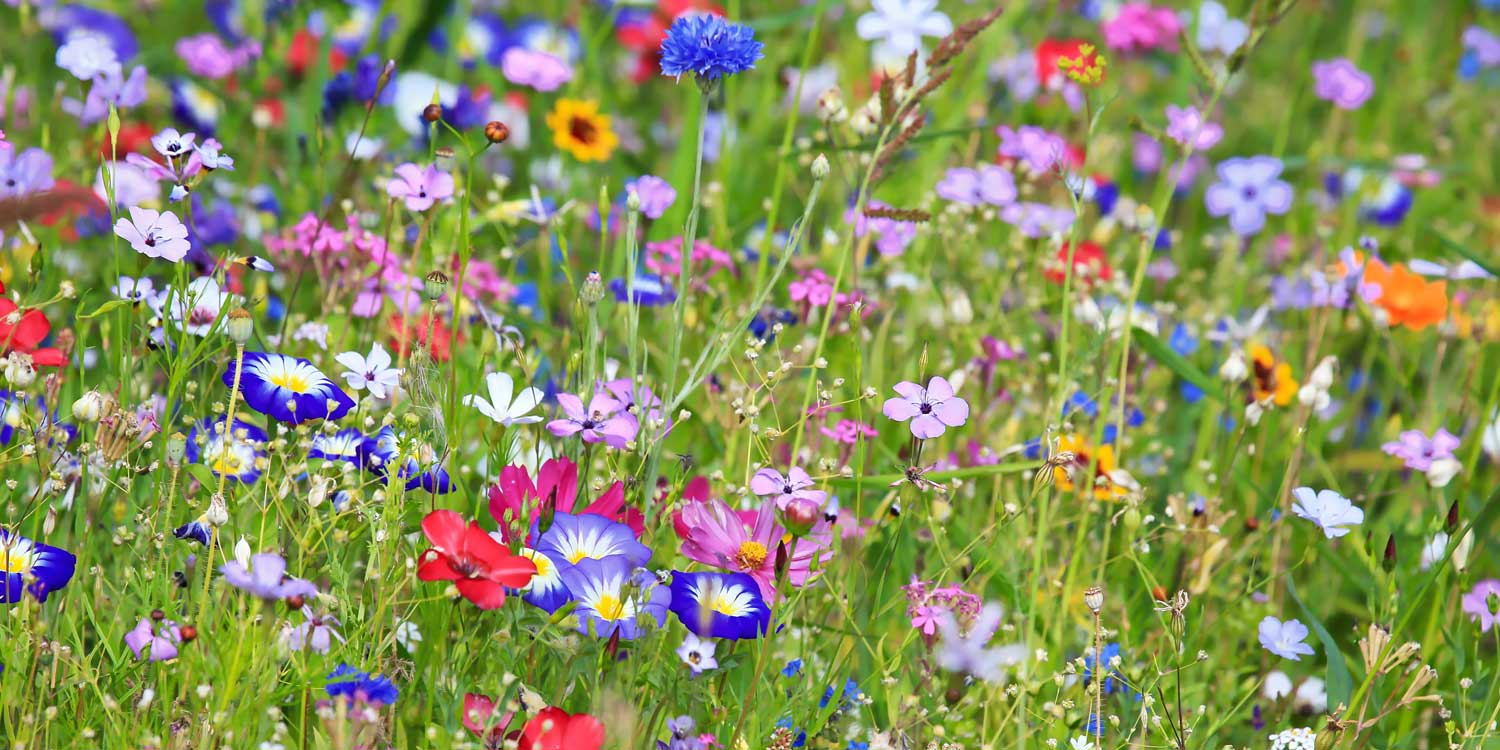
(1407, 298)
(1105, 468)
(1272, 379)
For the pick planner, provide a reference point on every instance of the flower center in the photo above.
(610, 608)
(14, 560)
(751, 556)
(291, 381)
(582, 130)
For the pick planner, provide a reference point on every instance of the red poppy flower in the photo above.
(480, 567)
(515, 501)
(25, 334)
(443, 340)
(1049, 51)
(1089, 264)
(556, 729)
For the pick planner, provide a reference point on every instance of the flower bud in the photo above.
(800, 515)
(176, 447)
(496, 132)
(820, 167)
(19, 371)
(239, 326)
(1234, 369)
(217, 513)
(592, 290)
(188, 633)
(432, 112)
(89, 407)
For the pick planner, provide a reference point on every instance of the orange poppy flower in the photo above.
(1408, 298)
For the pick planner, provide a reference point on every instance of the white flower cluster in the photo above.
(1300, 738)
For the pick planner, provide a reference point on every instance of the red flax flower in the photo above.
(23, 332)
(556, 729)
(1089, 264)
(435, 335)
(480, 567)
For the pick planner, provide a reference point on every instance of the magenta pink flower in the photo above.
(1338, 81)
(604, 421)
(816, 289)
(1420, 451)
(420, 188)
(932, 410)
(158, 641)
(539, 70)
(794, 484)
(1138, 27)
(665, 258)
(714, 535)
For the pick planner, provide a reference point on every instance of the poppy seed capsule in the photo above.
(432, 112)
(188, 633)
(496, 132)
(239, 326)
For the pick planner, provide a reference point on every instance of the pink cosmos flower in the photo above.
(1138, 27)
(717, 536)
(604, 421)
(421, 188)
(539, 70)
(156, 234)
(795, 484)
(932, 410)
(515, 501)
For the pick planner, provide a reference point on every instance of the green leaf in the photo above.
(1176, 363)
(203, 475)
(109, 306)
(1340, 683)
(1465, 252)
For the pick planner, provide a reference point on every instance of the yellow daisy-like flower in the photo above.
(1273, 378)
(578, 128)
(1103, 459)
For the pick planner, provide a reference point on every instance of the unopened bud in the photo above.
(89, 407)
(432, 112)
(820, 167)
(496, 132)
(592, 290)
(176, 447)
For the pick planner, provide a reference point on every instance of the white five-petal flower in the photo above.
(505, 405)
(1332, 512)
(372, 372)
(897, 26)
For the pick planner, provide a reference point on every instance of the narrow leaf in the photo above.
(1340, 683)
(1176, 363)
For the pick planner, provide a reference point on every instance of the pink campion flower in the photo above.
(420, 188)
(539, 70)
(1187, 126)
(932, 410)
(1482, 604)
(1419, 451)
(157, 640)
(848, 431)
(1339, 82)
(815, 288)
(794, 484)
(604, 421)
(665, 258)
(715, 535)
(155, 234)
(1138, 27)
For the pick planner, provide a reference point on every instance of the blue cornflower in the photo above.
(1106, 655)
(708, 47)
(361, 686)
(792, 668)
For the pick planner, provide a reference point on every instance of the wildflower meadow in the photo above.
(715, 374)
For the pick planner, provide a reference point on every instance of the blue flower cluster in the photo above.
(709, 47)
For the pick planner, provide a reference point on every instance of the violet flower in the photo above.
(794, 485)
(1039, 148)
(420, 188)
(989, 184)
(266, 578)
(1419, 451)
(109, 87)
(655, 194)
(932, 410)
(1285, 639)
(1247, 190)
(1187, 126)
(604, 421)
(158, 640)
(25, 173)
(1482, 604)
(1339, 82)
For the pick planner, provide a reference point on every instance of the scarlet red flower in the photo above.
(443, 339)
(556, 729)
(1089, 264)
(479, 718)
(515, 501)
(26, 334)
(1049, 51)
(480, 567)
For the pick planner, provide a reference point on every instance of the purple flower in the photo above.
(932, 410)
(1338, 81)
(159, 641)
(796, 484)
(1187, 126)
(1037, 219)
(172, 144)
(316, 632)
(1420, 451)
(1484, 45)
(266, 578)
(25, 173)
(1284, 638)
(421, 188)
(605, 420)
(206, 55)
(990, 184)
(1247, 190)
(110, 87)
(655, 194)
(539, 70)
(1040, 149)
(1482, 603)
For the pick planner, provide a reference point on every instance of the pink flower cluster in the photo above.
(1139, 27)
(665, 258)
(310, 237)
(926, 604)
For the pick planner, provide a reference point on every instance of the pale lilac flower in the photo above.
(1332, 512)
(655, 194)
(990, 184)
(794, 485)
(697, 653)
(87, 56)
(1285, 639)
(172, 144)
(1484, 45)
(155, 234)
(265, 577)
(110, 87)
(1039, 148)
(1187, 126)
(372, 372)
(421, 188)
(1247, 190)
(604, 421)
(968, 652)
(135, 290)
(1217, 32)
(932, 410)
(209, 155)
(206, 55)
(316, 632)
(1419, 451)
(539, 70)
(25, 173)
(504, 405)
(312, 331)
(1338, 81)
(1482, 604)
(897, 26)
(157, 640)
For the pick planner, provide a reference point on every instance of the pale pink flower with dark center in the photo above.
(420, 188)
(156, 234)
(932, 410)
